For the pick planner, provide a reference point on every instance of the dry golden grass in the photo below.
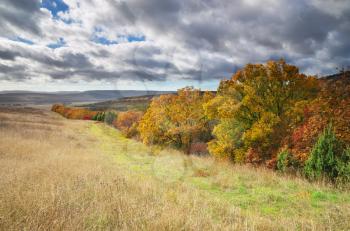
(55, 175)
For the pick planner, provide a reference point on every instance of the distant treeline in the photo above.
(126, 122)
(74, 113)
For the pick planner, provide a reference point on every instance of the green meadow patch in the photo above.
(256, 191)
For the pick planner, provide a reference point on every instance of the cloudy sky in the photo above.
(55, 45)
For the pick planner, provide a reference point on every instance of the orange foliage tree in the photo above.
(178, 120)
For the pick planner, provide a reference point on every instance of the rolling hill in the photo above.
(42, 98)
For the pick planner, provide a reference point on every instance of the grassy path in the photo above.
(293, 203)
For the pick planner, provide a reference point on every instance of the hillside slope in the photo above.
(60, 174)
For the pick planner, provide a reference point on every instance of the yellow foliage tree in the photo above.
(256, 107)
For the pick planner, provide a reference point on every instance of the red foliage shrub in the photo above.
(87, 117)
(304, 136)
(331, 106)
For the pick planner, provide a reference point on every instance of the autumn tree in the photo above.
(256, 108)
(228, 131)
(331, 106)
(127, 123)
(177, 120)
(155, 122)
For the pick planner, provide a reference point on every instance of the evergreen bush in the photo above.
(328, 159)
(282, 160)
(343, 167)
(110, 117)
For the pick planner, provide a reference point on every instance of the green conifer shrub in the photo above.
(282, 160)
(110, 117)
(327, 159)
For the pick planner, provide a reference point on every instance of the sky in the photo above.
(64, 45)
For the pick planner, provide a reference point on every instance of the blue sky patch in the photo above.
(60, 43)
(132, 38)
(102, 40)
(55, 6)
(22, 40)
(69, 21)
(98, 37)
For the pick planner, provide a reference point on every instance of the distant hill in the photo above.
(343, 76)
(42, 98)
(108, 99)
(139, 103)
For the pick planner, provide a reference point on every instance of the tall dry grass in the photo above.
(54, 177)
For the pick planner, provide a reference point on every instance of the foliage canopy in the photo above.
(256, 108)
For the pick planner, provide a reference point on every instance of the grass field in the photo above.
(59, 174)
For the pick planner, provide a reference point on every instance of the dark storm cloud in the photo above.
(210, 35)
(125, 10)
(101, 53)
(19, 14)
(8, 55)
(341, 46)
(300, 25)
(212, 69)
(162, 16)
(7, 69)
(68, 65)
(68, 60)
(309, 29)
(13, 72)
(92, 74)
(149, 63)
